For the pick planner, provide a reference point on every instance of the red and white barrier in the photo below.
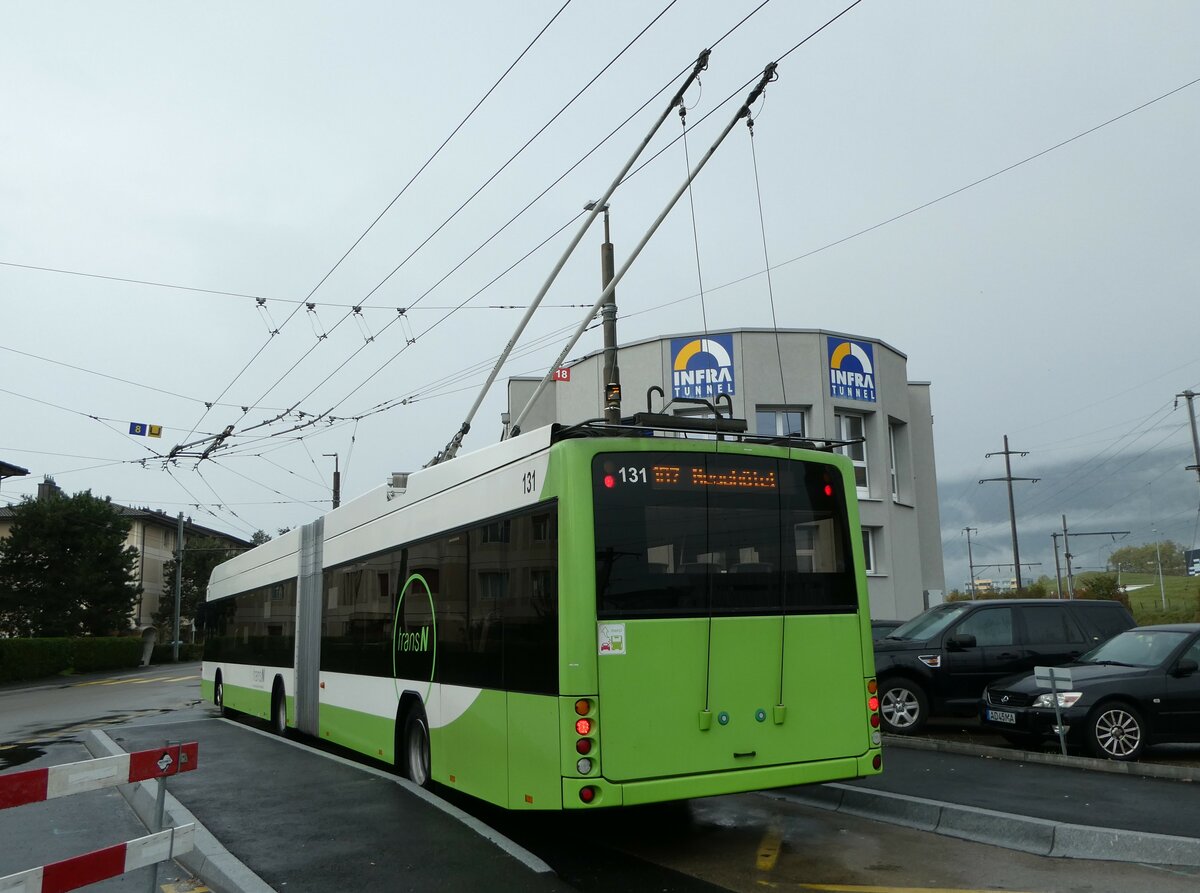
(79, 871)
(35, 785)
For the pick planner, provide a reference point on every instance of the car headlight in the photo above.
(1065, 699)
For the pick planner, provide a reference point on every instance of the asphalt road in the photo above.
(309, 823)
(40, 725)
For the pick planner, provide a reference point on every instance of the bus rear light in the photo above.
(587, 795)
(874, 720)
(873, 703)
(878, 761)
(583, 746)
(583, 706)
(583, 726)
(876, 738)
(872, 686)
(584, 766)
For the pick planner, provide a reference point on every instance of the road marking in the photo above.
(768, 849)
(137, 680)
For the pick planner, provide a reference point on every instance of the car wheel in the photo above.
(903, 707)
(1116, 731)
(416, 748)
(279, 712)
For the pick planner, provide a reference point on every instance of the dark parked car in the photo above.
(940, 661)
(881, 628)
(1140, 687)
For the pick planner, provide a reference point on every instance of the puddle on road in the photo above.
(19, 754)
(34, 743)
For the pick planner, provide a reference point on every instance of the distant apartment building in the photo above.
(813, 383)
(153, 534)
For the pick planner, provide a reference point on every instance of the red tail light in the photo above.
(583, 726)
(587, 795)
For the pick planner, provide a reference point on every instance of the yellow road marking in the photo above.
(137, 680)
(768, 850)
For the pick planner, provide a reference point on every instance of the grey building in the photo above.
(800, 381)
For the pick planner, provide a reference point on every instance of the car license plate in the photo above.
(1002, 716)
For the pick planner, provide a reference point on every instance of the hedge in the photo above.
(24, 659)
(163, 654)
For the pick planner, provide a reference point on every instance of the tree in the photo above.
(1144, 559)
(200, 556)
(259, 537)
(65, 569)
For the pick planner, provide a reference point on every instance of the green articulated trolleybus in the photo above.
(572, 618)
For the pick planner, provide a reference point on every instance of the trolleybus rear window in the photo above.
(694, 534)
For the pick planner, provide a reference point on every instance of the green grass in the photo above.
(1182, 597)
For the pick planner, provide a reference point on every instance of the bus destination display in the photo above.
(691, 477)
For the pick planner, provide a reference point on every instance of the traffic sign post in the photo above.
(1052, 677)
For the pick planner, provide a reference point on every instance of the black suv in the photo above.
(941, 661)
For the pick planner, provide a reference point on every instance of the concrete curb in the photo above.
(1116, 767)
(209, 860)
(1040, 837)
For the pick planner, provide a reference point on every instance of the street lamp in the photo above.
(337, 480)
(1158, 555)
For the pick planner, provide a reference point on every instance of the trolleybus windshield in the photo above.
(698, 534)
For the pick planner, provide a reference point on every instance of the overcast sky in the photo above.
(244, 148)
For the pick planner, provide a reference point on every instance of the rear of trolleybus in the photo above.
(727, 646)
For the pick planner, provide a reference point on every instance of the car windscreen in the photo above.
(697, 534)
(927, 625)
(1137, 648)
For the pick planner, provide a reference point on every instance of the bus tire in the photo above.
(278, 709)
(416, 747)
(219, 694)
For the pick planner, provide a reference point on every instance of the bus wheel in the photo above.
(416, 747)
(278, 711)
(903, 707)
(219, 694)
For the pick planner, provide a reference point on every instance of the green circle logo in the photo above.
(760, 715)
(723, 718)
(414, 638)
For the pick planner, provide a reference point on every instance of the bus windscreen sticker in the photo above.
(612, 638)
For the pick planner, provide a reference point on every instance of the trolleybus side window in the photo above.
(253, 627)
(358, 605)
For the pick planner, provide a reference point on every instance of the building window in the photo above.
(496, 532)
(779, 421)
(869, 537)
(892, 458)
(850, 426)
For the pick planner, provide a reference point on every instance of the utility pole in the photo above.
(1188, 395)
(337, 480)
(970, 560)
(1067, 556)
(1067, 550)
(1057, 566)
(1012, 512)
(178, 588)
(1158, 555)
(612, 374)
